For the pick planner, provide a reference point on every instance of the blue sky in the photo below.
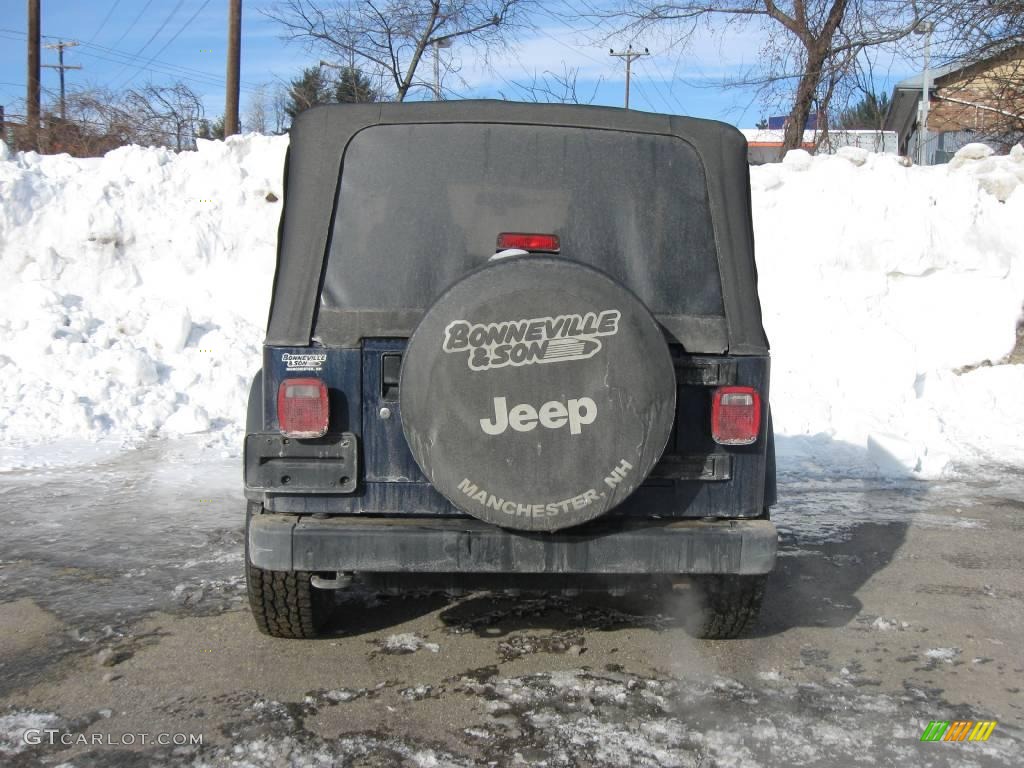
(131, 42)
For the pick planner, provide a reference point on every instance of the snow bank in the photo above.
(133, 288)
(134, 292)
(879, 282)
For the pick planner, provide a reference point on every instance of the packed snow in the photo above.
(134, 290)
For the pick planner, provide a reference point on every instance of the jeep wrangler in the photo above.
(511, 346)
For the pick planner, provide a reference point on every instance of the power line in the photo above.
(136, 21)
(160, 29)
(163, 64)
(671, 96)
(173, 70)
(643, 95)
(579, 51)
(182, 29)
(146, 45)
(153, 65)
(568, 47)
(105, 20)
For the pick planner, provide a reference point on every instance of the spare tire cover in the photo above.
(537, 393)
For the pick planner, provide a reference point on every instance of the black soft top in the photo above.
(315, 165)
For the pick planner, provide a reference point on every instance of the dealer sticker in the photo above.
(306, 361)
(529, 341)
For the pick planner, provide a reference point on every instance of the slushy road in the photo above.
(122, 612)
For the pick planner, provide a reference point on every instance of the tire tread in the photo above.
(283, 603)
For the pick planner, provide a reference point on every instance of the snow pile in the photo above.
(879, 283)
(407, 642)
(947, 655)
(133, 288)
(134, 292)
(888, 625)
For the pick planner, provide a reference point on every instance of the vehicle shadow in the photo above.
(816, 585)
(836, 533)
(362, 610)
(837, 529)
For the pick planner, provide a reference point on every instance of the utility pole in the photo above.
(924, 28)
(32, 82)
(629, 55)
(59, 47)
(234, 65)
(439, 43)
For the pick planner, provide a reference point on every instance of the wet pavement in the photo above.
(122, 613)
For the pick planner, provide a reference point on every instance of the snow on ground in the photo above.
(407, 642)
(14, 726)
(134, 290)
(947, 655)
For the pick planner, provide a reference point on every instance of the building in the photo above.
(779, 122)
(977, 102)
(764, 145)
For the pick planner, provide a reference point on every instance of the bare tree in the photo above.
(99, 119)
(972, 30)
(256, 113)
(162, 111)
(813, 46)
(102, 113)
(389, 39)
(279, 108)
(551, 88)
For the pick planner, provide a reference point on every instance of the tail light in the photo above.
(735, 415)
(302, 409)
(529, 242)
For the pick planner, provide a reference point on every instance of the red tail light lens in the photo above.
(302, 409)
(528, 242)
(735, 415)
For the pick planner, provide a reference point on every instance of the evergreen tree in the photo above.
(353, 87)
(208, 130)
(314, 87)
(308, 90)
(867, 114)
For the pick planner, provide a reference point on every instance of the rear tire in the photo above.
(284, 603)
(729, 604)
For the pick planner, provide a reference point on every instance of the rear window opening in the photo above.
(420, 206)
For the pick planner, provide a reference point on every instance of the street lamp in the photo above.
(439, 43)
(924, 28)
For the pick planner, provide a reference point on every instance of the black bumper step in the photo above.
(281, 542)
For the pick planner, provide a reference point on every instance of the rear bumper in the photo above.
(281, 542)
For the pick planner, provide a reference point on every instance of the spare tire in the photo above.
(537, 393)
